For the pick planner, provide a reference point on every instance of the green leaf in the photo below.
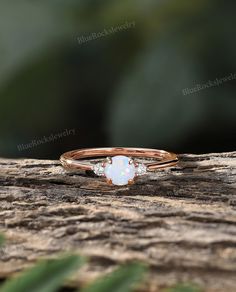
(121, 280)
(183, 288)
(46, 276)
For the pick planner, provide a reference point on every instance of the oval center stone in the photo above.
(120, 171)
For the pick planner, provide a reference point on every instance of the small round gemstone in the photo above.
(98, 169)
(141, 169)
(120, 171)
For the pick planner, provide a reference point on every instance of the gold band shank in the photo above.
(72, 159)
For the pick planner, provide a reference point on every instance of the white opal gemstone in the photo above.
(120, 171)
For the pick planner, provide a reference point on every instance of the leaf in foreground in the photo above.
(121, 280)
(46, 276)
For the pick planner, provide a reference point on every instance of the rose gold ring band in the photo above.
(74, 159)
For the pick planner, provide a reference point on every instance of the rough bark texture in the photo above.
(181, 221)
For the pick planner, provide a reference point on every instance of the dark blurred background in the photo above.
(125, 88)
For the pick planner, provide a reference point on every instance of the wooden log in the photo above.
(181, 221)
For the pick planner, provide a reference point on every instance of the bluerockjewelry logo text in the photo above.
(46, 139)
(209, 84)
(105, 32)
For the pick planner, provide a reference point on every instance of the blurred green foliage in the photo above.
(46, 276)
(50, 275)
(122, 279)
(122, 89)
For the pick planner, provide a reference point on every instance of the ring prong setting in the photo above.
(109, 181)
(108, 160)
(131, 161)
(130, 181)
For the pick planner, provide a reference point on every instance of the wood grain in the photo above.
(181, 221)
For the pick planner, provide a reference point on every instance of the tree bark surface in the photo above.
(180, 221)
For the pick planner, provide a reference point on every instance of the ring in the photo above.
(119, 165)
